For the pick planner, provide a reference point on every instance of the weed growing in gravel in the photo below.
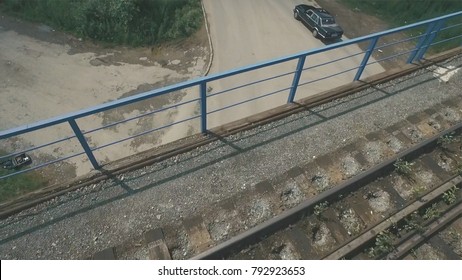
(383, 244)
(431, 212)
(417, 191)
(454, 236)
(450, 196)
(413, 223)
(446, 140)
(320, 208)
(371, 195)
(395, 228)
(459, 170)
(403, 167)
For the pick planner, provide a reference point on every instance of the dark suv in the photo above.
(319, 21)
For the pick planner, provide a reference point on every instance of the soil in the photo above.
(45, 73)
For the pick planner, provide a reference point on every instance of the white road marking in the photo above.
(445, 73)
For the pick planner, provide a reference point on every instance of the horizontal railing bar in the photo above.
(37, 147)
(384, 46)
(247, 100)
(409, 51)
(143, 133)
(391, 56)
(332, 61)
(445, 40)
(250, 84)
(329, 76)
(40, 165)
(141, 116)
(97, 109)
(128, 100)
(450, 26)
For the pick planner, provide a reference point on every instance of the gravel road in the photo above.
(77, 225)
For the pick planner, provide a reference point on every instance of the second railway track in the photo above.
(370, 215)
(373, 215)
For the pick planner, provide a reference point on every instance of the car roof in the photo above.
(323, 13)
(319, 11)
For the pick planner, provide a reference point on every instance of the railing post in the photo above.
(366, 57)
(421, 42)
(84, 143)
(431, 37)
(296, 80)
(203, 93)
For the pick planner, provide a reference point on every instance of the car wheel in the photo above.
(315, 33)
(296, 16)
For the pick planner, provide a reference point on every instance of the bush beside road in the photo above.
(130, 22)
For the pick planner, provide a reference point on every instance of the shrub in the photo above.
(132, 22)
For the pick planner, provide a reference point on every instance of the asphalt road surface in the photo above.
(246, 32)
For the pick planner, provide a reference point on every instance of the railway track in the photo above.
(385, 212)
(369, 199)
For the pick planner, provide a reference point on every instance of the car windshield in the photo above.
(327, 22)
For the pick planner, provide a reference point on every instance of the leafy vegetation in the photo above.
(403, 167)
(414, 222)
(431, 212)
(403, 12)
(320, 208)
(450, 197)
(446, 140)
(131, 22)
(383, 244)
(417, 191)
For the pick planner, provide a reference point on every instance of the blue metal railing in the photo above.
(433, 28)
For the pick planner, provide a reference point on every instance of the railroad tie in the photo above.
(199, 237)
(157, 247)
(106, 254)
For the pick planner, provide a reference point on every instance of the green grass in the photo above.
(19, 184)
(130, 22)
(404, 12)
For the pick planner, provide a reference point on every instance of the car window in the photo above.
(315, 18)
(327, 21)
(309, 13)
